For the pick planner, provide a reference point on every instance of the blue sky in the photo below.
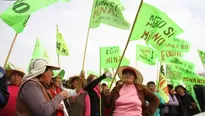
(73, 18)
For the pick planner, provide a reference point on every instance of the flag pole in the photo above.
(126, 44)
(58, 59)
(113, 72)
(85, 50)
(100, 61)
(11, 47)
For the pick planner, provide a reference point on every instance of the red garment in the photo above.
(59, 112)
(10, 108)
(107, 111)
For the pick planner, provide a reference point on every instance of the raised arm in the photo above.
(94, 83)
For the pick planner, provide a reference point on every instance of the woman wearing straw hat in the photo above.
(129, 99)
(15, 75)
(188, 106)
(34, 98)
(79, 105)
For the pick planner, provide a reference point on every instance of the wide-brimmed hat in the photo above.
(60, 73)
(38, 67)
(180, 86)
(139, 77)
(19, 70)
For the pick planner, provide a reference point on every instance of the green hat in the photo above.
(61, 73)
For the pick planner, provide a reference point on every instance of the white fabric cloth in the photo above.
(200, 114)
(71, 92)
(38, 67)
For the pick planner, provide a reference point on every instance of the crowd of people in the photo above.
(44, 92)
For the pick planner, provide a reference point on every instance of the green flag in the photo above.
(178, 45)
(39, 51)
(91, 72)
(109, 56)
(202, 56)
(61, 47)
(182, 63)
(162, 84)
(166, 54)
(108, 12)
(125, 61)
(17, 15)
(146, 54)
(155, 27)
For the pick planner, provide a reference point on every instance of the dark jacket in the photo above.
(185, 103)
(144, 95)
(4, 94)
(94, 99)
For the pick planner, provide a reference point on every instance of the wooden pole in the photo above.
(9, 53)
(100, 61)
(113, 72)
(85, 50)
(58, 59)
(126, 43)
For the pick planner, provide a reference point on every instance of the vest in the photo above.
(21, 108)
(77, 105)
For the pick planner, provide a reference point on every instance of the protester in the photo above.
(130, 98)
(171, 108)
(34, 98)
(15, 75)
(79, 105)
(152, 87)
(55, 88)
(4, 94)
(94, 92)
(104, 86)
(188, 105)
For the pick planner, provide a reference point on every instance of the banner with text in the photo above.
(155, 27)
(108, 12)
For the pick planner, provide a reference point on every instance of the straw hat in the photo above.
(61, 73)
(19, 70)
(38, 67)
(139, 77)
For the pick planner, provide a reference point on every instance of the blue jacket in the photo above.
(157, 112)
(4, 94)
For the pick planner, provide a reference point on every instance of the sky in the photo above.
(73, 19)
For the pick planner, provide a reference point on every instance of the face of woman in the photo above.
(128, 77)
(57, 81)
(47, 77)
(16, 78)
(74, 84)
(180, 91)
